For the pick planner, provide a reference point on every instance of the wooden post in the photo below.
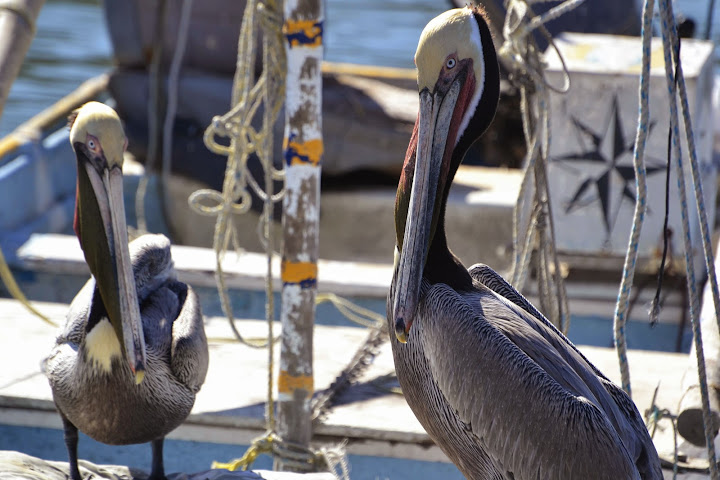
(303, 151)
(17, 29)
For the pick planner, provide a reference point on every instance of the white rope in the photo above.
(249, 94)
(623, 299)
(520, 53)
(671, 48)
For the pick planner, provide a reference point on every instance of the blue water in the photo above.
(186, 456)
(72, 44)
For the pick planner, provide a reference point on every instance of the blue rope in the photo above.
(669, 34)
(623, 300)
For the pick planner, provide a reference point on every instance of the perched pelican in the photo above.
(133, 352)
(502, 392)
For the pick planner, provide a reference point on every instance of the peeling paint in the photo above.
(303, 151)
(304, 94)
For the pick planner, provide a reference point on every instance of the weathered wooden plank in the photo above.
(19, 465)
(61, 254)
(376, 422)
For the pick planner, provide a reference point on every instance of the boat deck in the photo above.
(230, 407)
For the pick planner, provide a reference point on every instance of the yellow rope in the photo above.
(261, 445)
(14, 289)
(301, 458)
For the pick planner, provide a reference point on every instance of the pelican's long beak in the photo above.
(110, 263)
(434, 126)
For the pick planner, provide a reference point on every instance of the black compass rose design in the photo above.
(605, 156)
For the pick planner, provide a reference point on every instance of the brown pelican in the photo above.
(502, 392)
(133, 352)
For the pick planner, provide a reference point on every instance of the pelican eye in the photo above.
(93, 144)
(450, 63)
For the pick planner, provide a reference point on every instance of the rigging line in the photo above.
(696, 177)
(171, 110)
(520, 51)
(265, 155)
(153, 114)
(655, 304)
(623, 299)
(709, 19)
(669, 36)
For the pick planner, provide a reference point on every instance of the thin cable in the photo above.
(655, 305)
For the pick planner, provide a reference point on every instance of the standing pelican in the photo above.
(500, 390)
(133, 352)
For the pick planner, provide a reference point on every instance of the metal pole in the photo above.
(303, 150)
(17, 28)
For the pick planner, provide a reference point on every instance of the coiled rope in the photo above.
(520, 53)
(247, 97)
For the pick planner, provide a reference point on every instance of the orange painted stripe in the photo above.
(298, 272)
(303, 153)
(288, 384)
(305, 33)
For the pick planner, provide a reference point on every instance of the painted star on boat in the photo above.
(605, 159)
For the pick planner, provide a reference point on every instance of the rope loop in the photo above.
(520, 53)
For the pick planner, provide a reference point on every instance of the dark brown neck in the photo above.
(442, 265)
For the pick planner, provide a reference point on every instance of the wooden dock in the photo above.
(230, 407)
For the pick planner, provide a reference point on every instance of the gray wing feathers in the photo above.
(510, 402)
(189, 352)
(622, 411)
(647, 460)
(495, 282)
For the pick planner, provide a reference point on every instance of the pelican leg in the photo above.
(71, 442)
(158, 468)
